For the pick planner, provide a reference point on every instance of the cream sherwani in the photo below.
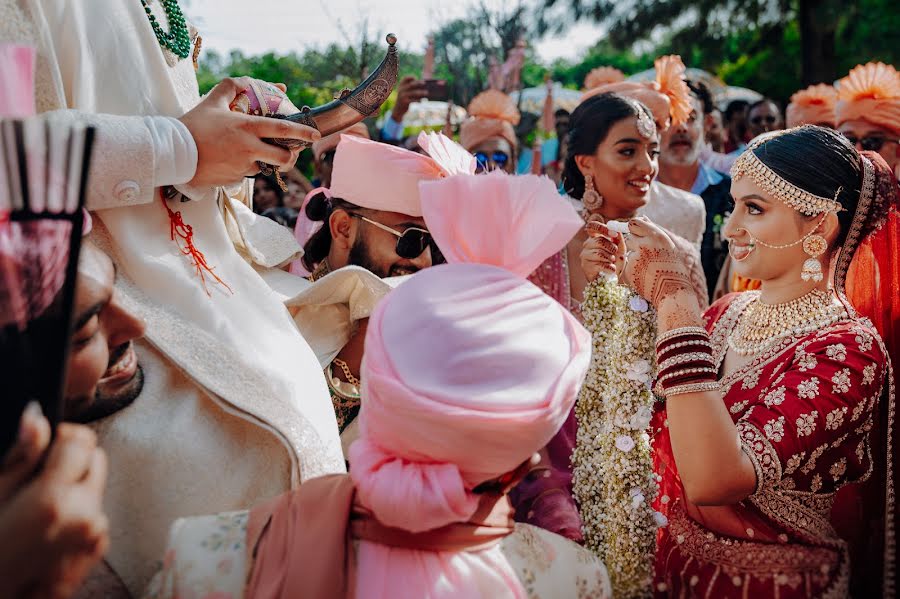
(236, 407)
(679, 211)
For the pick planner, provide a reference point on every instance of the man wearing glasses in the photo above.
(868, 111)
(764, 116)
(369, 218)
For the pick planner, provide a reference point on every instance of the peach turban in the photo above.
(491, 114)
(870, 92)
(812, 106)
(440, 418)
(330, 142)
(602, 76)
(668, 97)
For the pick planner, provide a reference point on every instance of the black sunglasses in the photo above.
(872, 143)
(411, 242)
(498, 159)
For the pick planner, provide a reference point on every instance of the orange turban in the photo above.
(491, 114)
(870, 92)
(330, 142)
(812, 106)
(602, 76)
(668, 97)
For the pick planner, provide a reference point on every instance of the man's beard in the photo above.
(359, 256)
(104, 403)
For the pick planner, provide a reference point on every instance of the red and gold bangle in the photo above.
(681, 332)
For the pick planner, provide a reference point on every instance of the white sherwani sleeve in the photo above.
(132, 156)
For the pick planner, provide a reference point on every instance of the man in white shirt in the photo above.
(234, 406)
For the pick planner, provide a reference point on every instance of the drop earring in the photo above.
(591, 199)
(814, 246)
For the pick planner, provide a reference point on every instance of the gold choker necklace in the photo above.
(761, 326)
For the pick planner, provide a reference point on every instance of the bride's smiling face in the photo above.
(759, 216)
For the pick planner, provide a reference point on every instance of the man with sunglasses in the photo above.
(489, 132)
(370, 218)
(764, 116)
(868, 111)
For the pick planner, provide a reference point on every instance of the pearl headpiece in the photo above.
(774, 184)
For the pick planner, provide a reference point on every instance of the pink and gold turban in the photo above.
(330, 142)
(870, 92)
(812, 106)
(469, 369)
(668, 97)
(491, 114)
(602, 76)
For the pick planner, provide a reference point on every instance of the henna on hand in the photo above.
(660, 273)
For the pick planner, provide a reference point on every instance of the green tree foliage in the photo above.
(773, 46)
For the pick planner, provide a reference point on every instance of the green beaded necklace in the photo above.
(178, 39)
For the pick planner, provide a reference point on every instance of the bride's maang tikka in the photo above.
(774, 184)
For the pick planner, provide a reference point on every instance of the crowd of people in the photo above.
(364, 383)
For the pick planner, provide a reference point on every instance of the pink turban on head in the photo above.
(812, 106)
(870, 92)
(379, 176)
(469, 369)
(491, 114)
(330, 142)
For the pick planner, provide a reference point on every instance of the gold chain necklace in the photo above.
(761, 326)
(345, 398)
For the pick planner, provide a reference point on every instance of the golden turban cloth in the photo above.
(870, 92)
(813, 106)
(491, 114)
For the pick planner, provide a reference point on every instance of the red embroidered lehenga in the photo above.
(814, 414)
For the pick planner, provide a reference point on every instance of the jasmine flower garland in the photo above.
(613, 474)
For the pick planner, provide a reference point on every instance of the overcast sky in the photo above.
(258, 26)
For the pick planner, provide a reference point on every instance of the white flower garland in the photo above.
(613, 474)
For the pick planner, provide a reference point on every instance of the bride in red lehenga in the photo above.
(779, 398)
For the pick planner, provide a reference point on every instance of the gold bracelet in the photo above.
(678, 373)
(681, 331)
(682, 358)
(693, 388)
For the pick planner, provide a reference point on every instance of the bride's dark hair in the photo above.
(820, 161)
(589, 125)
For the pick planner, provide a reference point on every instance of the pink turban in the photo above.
(668, 97)
(812, 106)
(383, 177)
(491, 114)
(330, 142)
(870, 92)
(439, 418)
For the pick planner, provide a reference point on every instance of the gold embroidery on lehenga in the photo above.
(762, 454)
(869, 374)
(806, 423)
(774, 429)
(838, 352)
(835, 419)
(841, 380)
(775, 397)
(808, 389)
(838, 469)
(740, 560)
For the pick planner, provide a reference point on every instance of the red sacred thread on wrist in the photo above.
(181, 232)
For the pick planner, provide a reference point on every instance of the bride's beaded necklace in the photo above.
(761, 326)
